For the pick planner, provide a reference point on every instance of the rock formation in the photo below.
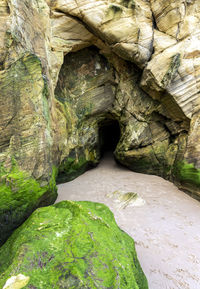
(69, 68)
(71, 245)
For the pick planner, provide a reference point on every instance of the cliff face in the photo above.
(152, 53)
(70, 67)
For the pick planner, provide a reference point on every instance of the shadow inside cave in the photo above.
(109, 136)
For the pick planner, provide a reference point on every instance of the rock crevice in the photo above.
(66, 66)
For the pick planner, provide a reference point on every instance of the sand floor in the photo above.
(166, 229)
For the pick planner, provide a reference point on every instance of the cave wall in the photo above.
(152, 47)
(65, 66)
(92, 90)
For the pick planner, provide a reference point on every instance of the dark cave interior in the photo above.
(109, 135)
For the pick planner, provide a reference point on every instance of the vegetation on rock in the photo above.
(72, 245)
(107, 56)
(172, 70)
(73, 167)
(188, 177)
(20, 195)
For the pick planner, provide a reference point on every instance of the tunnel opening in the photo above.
(109, 135)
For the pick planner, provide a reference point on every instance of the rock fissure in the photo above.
(69, 69)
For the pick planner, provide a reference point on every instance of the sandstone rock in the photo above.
(57, 91)
(187, 170)
(27, 179)
(16, 282)
(68, 34)
(21, 194)
(85, 87)
(177, 78)
(4, 26)
(188, 177)
(162, 41)
(125, 25)
(176, 18)
(25, 143)
(88, 86)
(72, 245)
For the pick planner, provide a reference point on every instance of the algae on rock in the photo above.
(188, 177)
(27, 180)
(20, 195)
(86, 90)
(72, 245)
(107, 57)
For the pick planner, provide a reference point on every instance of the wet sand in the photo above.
(166, 229)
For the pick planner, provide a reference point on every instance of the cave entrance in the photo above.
(109, 135)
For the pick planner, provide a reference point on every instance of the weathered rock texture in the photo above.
(72, 245)
(68, 68)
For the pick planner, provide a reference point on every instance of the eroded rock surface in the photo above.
(70, 67)
(25, 163)
(158, 129)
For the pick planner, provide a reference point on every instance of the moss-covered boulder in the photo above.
(71, 245)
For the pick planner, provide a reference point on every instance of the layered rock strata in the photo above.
(70, 67)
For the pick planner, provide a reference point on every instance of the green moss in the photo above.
(72, 245)
(73, 167)
(167, 171)
(45, 94)
(83, 111)
(115, 8)
(20, 195)
(147, 160)
(114, 11)
(128, 3)
(172, 70)
(187, 175)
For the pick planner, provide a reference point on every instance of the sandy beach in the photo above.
(165, 225)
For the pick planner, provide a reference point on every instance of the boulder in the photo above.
(71, 245)
(69, 68)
